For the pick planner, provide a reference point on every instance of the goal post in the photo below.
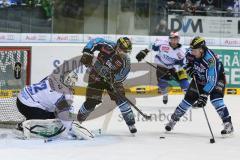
(15, 65)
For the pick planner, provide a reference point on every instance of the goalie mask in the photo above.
(69, 79)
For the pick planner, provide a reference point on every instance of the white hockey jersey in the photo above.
(44, 95)
(168, 57)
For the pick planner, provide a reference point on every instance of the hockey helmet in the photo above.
(174, 34)
(197, 42)
(124, 44)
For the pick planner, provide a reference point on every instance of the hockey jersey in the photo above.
(208, 69)
(107, 60)
(44, 95)
(167, 56)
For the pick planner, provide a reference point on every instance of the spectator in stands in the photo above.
(190, 6)
(16, 2)
(47, 7)
(5, 3)
(161, 29)
(211, 6)
(228, 6)
(173, 4)
(1, 3)
(236, 8)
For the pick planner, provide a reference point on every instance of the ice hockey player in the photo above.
(107, 73)
(47, 107)
(208, 71)
(170, 58)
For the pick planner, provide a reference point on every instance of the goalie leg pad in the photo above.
(42, 128)
(80, 132)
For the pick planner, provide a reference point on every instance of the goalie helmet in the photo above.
(69, 79)
(124, 44)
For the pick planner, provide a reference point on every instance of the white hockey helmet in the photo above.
(69, 78)
(174, 34)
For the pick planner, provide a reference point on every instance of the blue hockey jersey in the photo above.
(108, 60)
(208, 69)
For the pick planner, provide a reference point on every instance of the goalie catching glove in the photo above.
(142, 54)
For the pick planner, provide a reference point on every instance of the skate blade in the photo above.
(133, 134)
(229, 135)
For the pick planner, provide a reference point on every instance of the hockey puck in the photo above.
(212, 140)
(48, 140)
(162, 137)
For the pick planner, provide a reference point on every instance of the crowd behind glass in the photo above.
(141, 17)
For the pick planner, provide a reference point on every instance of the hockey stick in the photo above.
(212, 140)
(122, 97)
(151, 64)
(132, 104)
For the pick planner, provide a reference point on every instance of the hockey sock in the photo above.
(127, 113)
(221, 109)
(181, 110)
(83, 113)
(184, 85)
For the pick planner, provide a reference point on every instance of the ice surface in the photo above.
(189, 140)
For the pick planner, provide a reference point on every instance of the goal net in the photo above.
(14, 75)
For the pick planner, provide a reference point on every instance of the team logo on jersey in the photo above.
(200, 69)
(165, 48)
(211, 62)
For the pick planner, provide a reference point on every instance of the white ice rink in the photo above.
(189, 140)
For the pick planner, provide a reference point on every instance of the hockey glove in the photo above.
(142, 54)
(86, 59)
(202, 100)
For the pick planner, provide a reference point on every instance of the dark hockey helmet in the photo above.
(198, 42)
(124, 44)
